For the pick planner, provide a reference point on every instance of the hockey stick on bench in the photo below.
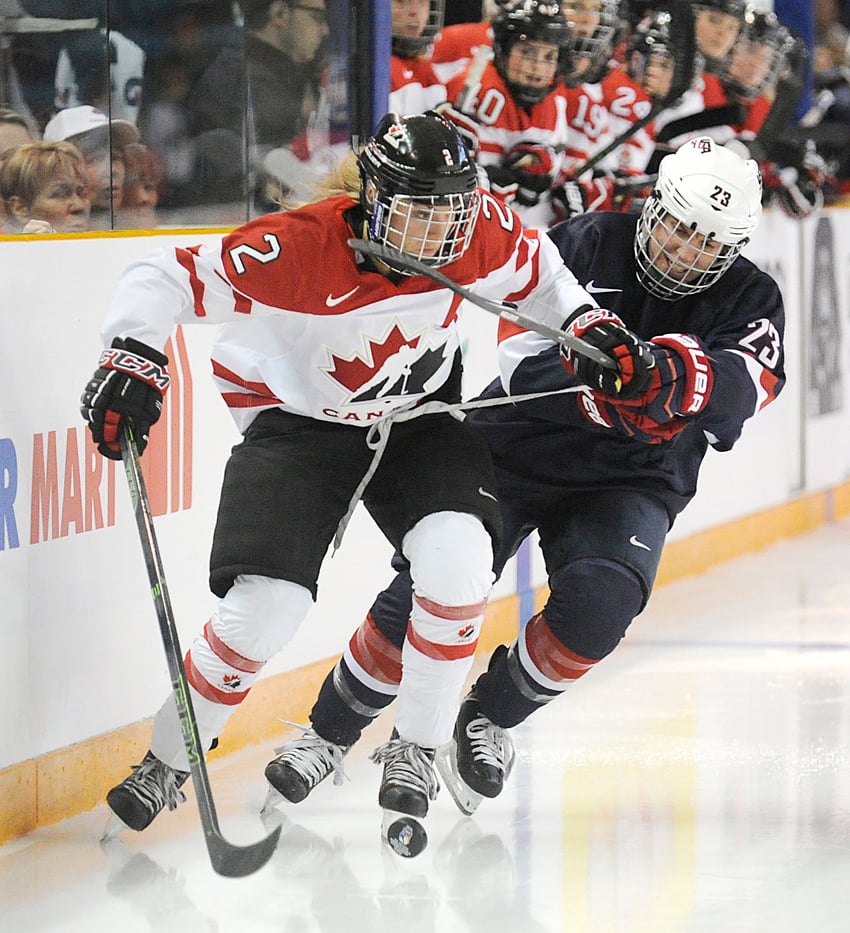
(227, 859)
(506, 310)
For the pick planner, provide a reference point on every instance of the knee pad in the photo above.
(451, 558)
(591, 604)
(259, 615)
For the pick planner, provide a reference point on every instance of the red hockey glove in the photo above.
(532, 165)
(609, 414)
(128, 384)
(680, 387)
(606, 331)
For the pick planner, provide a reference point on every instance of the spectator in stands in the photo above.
(279, 73)
(264, 95)
(44, 187)
(142, 181)
(14, 131)
(102, 143)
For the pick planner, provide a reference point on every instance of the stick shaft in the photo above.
(503, 309)
(227, 859)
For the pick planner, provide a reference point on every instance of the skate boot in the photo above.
(408, 784)
(477, 760)
(409, 781)
(301, 764)
(152, 786)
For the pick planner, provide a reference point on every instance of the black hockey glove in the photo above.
(606, 331)
(128, 384)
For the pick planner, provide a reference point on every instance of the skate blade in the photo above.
(404, 834)
(114, 826)
(273, 798)
(466, 799)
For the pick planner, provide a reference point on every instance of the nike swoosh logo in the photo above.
(633, 540)
(594, 289)
(482, 491)
(332, 302)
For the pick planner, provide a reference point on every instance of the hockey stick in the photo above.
(227, 859)
(466, 95)
(506, 310)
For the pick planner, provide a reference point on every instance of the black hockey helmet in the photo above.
(667, 33)
(758, 56)
(406, 46)
(539, 21)
(418, 187)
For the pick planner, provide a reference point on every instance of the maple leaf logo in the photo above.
(395, 366)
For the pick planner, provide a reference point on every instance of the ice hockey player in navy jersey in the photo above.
(315, 370)
(600, 478)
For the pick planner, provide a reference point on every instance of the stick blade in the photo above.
(232, 861)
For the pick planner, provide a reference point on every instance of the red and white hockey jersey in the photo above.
(305, 328)
(456, 46)
(414, 86)
(502, 123)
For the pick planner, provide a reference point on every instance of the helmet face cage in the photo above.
(591, 47)
(758, 56)
(435, 230)
(419, 188)
(705, 206)
(410, 46)
(535, 21)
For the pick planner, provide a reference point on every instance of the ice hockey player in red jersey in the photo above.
(602, 480)
(519, 118)
(316, 370)
(414, 85)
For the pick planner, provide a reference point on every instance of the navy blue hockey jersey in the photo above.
(549, 444)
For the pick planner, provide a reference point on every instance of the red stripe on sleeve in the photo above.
(186, 258)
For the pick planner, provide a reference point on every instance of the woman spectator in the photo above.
(45, 188)
(142, 187)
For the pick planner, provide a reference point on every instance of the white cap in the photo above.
(78, 121)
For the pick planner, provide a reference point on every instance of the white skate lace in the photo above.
(407, 765)
(155, 784)
(312, 756)
(491, 745)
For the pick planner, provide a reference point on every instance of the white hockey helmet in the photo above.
(705, 206)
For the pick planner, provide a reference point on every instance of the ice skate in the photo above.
(300, 765)
(408, 784)
(151, 787)
(477, 760)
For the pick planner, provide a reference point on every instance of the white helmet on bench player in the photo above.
(705, 206)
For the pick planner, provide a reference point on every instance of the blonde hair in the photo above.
(27, 170)
(342, 179)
